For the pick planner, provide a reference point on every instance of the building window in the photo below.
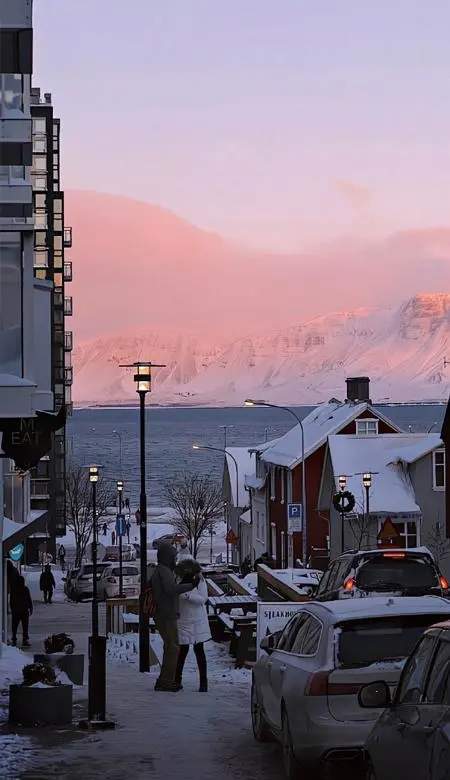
(11, 92)
(12, 174)
(39, 163)
(39, 182)
(439, 470)
(39, 125)
(408, 533)
(11, 303)
(366, 427)
(40, 145)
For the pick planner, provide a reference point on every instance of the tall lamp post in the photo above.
(225, 452)
(251, 402)
(342, 486)
(143, 379)
(120, 529)
(367, 482)
(97, 643)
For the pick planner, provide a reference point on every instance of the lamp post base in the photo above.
(100, 725)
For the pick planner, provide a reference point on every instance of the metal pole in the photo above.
(94, 562)
(211, 545)
(120, 547)
(367, 509)
(342, 532)
(144, 640)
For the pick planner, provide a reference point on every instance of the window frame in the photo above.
(310, 617)
(365, 421)
(432, 643)
(435, 661)
(436, 487)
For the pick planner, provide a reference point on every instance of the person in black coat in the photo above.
(47, 584)
(21, 608)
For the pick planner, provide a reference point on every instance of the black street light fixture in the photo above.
(342, 485)
(97, 643)
(367, 482)
(143, 379)
(120, 531)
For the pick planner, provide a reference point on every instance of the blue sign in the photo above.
(120, 525)
(16, 552)
(295, 518)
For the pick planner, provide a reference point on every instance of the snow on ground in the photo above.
(12, 745)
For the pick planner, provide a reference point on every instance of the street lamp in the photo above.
(97, 644)
(143, 379)
(252, 402)
(219, 449)
(119, 531)
(119, 435)
(225, 429)
(367, 482)
(342, 485)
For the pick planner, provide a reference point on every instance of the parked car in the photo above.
(69, 581)
(113, 553)
(108, 584)
(305, 685)
(411, 739)
(404, 572)
(82, 583)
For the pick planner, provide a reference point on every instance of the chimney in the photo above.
(48, 97)
(358, 389)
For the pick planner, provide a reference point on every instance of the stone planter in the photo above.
(49, 705)
(70, 663)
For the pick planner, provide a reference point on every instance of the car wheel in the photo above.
(291, 767)
(261, 730)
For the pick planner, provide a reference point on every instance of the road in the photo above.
(158, 735)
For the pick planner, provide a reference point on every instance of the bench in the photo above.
(228, 603)
(131, 622)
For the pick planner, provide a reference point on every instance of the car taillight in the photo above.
(443, 583)
(317, 684)
(349, 583)
(394, 555)
(111, 579)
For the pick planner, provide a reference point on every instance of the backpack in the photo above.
(148, 601)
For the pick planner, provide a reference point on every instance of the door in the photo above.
(399, 745)
(277, 666)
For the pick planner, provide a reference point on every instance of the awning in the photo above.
(246, 517)
(17, 533)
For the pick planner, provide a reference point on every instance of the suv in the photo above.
(82, 584)
(401, 572)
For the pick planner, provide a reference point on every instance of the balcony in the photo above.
(40, 488)
(67, 237)
(68, 375)
(68, 271)
(68, 341)
(68, 306)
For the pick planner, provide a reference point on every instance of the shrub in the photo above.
(38, 673)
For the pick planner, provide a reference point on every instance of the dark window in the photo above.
(412, 681)
(290, 631)
(438, 686)
(11, 303)
(16, 51)
(363, 643)
(328, 578)
(15, 153)
(308, 637)
(128, 571)
(386, 573)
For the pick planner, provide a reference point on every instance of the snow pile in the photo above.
(12, 746)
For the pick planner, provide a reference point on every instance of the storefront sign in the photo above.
(16, 552)
(27, 439)
(273, 616)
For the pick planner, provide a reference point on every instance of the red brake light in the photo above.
(349, 583)
(317, 684)
(443, 583)
(394, 555)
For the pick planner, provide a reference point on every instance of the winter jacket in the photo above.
(47, 580)
(164, 584)
(20, 600)
(193, 624)
(184, 554)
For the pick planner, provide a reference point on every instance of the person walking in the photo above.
(47, 584)
(193, 624)
(166, 592)
(128, 529)
(105, 529)
(21, 608)
(62, 557)
(113, 538)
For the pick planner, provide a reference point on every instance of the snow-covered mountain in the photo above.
(402, 350)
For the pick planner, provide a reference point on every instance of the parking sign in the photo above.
(295, 518)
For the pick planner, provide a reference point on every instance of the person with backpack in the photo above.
(47, 584)
(21, 608)
(165, 593)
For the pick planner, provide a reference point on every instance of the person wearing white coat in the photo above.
(193, 629)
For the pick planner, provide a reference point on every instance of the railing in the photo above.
(67, 237)
(68, 375)
(68, 340)
(68, 306)
(39, 488)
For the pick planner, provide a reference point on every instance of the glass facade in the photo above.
(11, 303)
(11, 92)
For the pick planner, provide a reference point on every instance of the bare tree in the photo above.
(79, 506)
(438, 543)
(198, 503)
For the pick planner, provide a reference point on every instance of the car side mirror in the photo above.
(376, 695)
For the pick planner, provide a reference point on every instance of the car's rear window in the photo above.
(127, 571)
(367, 642)
(385, 573)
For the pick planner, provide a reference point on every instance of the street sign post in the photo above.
(295, 518)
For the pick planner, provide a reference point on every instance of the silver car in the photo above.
(306, 683)
(82, 584)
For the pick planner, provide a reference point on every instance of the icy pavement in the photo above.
(158, 735)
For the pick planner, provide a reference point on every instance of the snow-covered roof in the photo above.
(317, 425)
(11, 527)
(391, 490)
(419, 448)
(380, 606)
(245, 458)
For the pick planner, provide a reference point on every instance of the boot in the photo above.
(203, 686)
(182, 655)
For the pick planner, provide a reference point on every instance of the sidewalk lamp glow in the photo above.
(196, 447)
(93, 473)
(143, 377)
(367, 480)
(342, 482)
(119, 486)
(252, 402)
